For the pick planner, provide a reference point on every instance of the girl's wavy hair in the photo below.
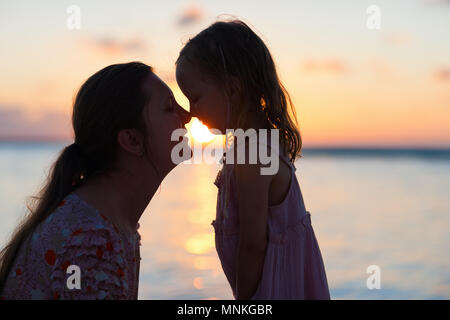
(110, 100)
(234, 56)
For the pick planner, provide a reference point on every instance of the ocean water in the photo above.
(389, 208)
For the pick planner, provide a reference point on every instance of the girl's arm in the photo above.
(253, 203)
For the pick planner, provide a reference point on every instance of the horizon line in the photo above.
(356, 146)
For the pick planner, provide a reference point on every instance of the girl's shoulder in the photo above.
(262, 152)
(272, 170)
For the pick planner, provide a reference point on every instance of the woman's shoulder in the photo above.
(70, 214)
(76, 231)
(73, 233)
(74, 222)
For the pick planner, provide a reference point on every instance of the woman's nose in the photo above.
(184, 115)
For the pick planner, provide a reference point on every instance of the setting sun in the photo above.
(199, 131)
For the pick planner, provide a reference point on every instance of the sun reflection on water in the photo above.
(200, 243)
(357, 215)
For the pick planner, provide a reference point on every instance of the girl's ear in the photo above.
(131, 140)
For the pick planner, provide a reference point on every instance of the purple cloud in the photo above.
(442, 74)
(190, 14)
(111, 45)
(333, 66)
(16, 124)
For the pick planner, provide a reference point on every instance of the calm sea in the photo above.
(389, 208)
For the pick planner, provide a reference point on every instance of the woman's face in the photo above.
(207, 100)
(163, 115)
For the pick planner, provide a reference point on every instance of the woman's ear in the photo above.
(131, 140)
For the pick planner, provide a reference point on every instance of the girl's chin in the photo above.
(218, 127)
(213, 125)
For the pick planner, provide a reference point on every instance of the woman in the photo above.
(84, 222)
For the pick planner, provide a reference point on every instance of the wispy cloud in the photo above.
(442, 74)
(330, 66)
(17, 124)
(114, 46)
(191, 14)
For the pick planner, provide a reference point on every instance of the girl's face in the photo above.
(206, 99)
(163, 115)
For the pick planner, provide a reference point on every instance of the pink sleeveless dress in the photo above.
(293, 265)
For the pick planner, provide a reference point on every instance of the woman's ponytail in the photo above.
(66, 173)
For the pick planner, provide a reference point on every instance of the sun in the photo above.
(199, 131)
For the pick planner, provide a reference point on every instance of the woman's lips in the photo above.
(193, 112)
(185, 117)
(185, 120)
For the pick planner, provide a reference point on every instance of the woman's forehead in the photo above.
(156, 88)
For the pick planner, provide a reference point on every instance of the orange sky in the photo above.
(350, 85)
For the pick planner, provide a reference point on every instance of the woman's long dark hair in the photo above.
(110, 100)
(230, 52)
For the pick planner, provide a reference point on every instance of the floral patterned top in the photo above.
(75, 234)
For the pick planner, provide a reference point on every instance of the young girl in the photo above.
(264, 236)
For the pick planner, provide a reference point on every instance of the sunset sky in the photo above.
(351, 85)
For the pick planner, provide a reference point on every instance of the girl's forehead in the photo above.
(189, 78)
(184, 78)
(186, 70)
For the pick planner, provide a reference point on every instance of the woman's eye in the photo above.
(170, 105)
